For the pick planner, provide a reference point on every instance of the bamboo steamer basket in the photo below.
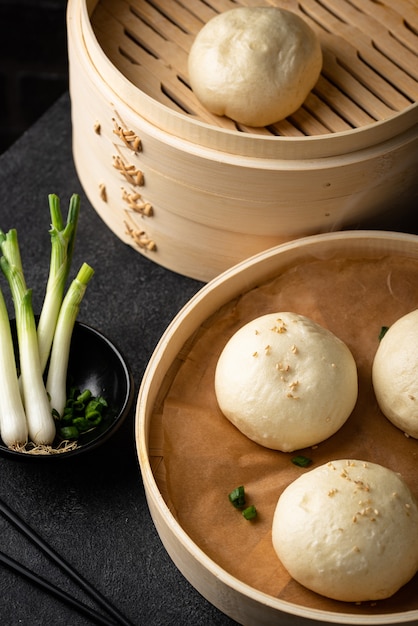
(197, 193)
(236, 599)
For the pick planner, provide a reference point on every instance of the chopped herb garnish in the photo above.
(82, 412)
(301, 461)
(69, 432)
(383, 332)
(250, 512)
(237, 497)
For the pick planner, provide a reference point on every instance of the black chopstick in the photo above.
(59, 560)
(53, 590)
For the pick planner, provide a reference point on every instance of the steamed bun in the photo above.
(348, 530)
(286, 382)
(394, 374)
(255, 65)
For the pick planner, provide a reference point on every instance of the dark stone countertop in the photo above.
(94, 510)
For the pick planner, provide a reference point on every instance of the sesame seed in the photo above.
(280, 326)
(282, 368)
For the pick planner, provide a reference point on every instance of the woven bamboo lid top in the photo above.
(370, 49)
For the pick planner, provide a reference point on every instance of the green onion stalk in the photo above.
(62, 246)
(56, 383)
(13, 424)
(40, 422)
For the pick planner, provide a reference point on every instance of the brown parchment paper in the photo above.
(206, 457)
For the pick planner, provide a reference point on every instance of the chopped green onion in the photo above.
(77, 406)
(41, 424)
(81, 424)
(81, 417)
(301, 461)
(57, 373)
(69, 432)
(93, 408)
(237, 497)
(383, 332)
(62, 245)
(13, 424)
(250, 512)
(83, 397)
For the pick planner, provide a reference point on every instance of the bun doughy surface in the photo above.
(286, 382)
(255, 65)
(395, 369)
(348, 530)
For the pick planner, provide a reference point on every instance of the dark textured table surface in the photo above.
(94, 510)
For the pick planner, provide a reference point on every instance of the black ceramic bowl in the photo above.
(95, 363)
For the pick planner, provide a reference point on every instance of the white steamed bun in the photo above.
(286, 382)
(255, 65)
(348, 530)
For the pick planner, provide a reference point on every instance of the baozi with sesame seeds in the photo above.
(394, 374)
(286, 382)
(340, 528)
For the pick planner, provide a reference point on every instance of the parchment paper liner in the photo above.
(205, 457)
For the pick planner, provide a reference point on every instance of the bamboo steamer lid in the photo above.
(197, 193)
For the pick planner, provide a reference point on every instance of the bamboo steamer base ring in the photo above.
(197, 193)
(238, 600)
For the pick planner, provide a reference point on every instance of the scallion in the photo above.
(69, 432)
(51, 339)
(383, 331)
(13, 424)
(82, 413)
(301, 461)
(56, 384)
(41, 424)
(250, 512)
(237, 497)
(62, 245)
